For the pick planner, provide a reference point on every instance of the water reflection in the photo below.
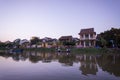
(89, 64)
(66, 59)
(110, 63)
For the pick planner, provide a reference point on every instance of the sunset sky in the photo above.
(54, 18)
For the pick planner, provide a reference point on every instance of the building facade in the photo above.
(66, 39)
(87, 37)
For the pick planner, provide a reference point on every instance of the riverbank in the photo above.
(78, 50)
(40, 49)
(95, 50)
(74, 50)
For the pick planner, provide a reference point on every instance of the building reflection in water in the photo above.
(89, 64)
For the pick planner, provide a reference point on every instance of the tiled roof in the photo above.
(65, 37)
(47, 39)
(87, 31)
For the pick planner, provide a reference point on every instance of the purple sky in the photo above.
(55, 18)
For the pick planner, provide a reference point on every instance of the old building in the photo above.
(87, 37)
(48, 42)
(65, 41)
(66, 38)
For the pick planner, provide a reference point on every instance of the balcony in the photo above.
(87, 38)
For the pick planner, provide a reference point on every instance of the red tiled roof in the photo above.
(87, 31)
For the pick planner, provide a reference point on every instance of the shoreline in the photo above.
(74, 50)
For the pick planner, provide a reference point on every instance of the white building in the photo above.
(87, 37)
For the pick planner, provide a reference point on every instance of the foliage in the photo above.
(90, 50)
(101, 42)
(68, 43)
(16, 43)
(34, 40)
(40, 49)
(110, 38)
(2, 45)
(9, 45)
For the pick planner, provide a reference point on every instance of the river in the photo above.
(59, 66)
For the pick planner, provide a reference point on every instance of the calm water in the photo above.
(59, 66)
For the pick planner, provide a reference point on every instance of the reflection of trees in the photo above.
(110, 63)
(66, 59)
(34, 57)
(19, 56)
(5, 55)
(88, 64)
(40, 56)
(16, 57)
(47, 57)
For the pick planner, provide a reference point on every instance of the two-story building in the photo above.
(63, 40)
(87, 37)
(48, 42)
(66, 38)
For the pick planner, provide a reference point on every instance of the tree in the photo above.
(103, 42)
(110, 37)
(2, 45)
(9, 45)
(16, 43)
(34, 41)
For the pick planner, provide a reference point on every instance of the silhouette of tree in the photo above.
(34, 40)
(109, 38)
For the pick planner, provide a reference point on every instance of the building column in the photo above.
(84, 36)
(94, 43)
(84, 57)
(89, 36)
(89, 43)
(80, 43)
(84, 44)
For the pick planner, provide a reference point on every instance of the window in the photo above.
(87, 43)
(91, 35)
(86, 36)
(81, 36)
(82, 43)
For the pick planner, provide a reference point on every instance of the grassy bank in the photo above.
(76, 50)
(79, 50)
(88, 50)
(95, 50)
(40, 49)
(3, 49)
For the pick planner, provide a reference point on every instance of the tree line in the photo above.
(109, 38)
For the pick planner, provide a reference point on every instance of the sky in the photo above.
(55, 18)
